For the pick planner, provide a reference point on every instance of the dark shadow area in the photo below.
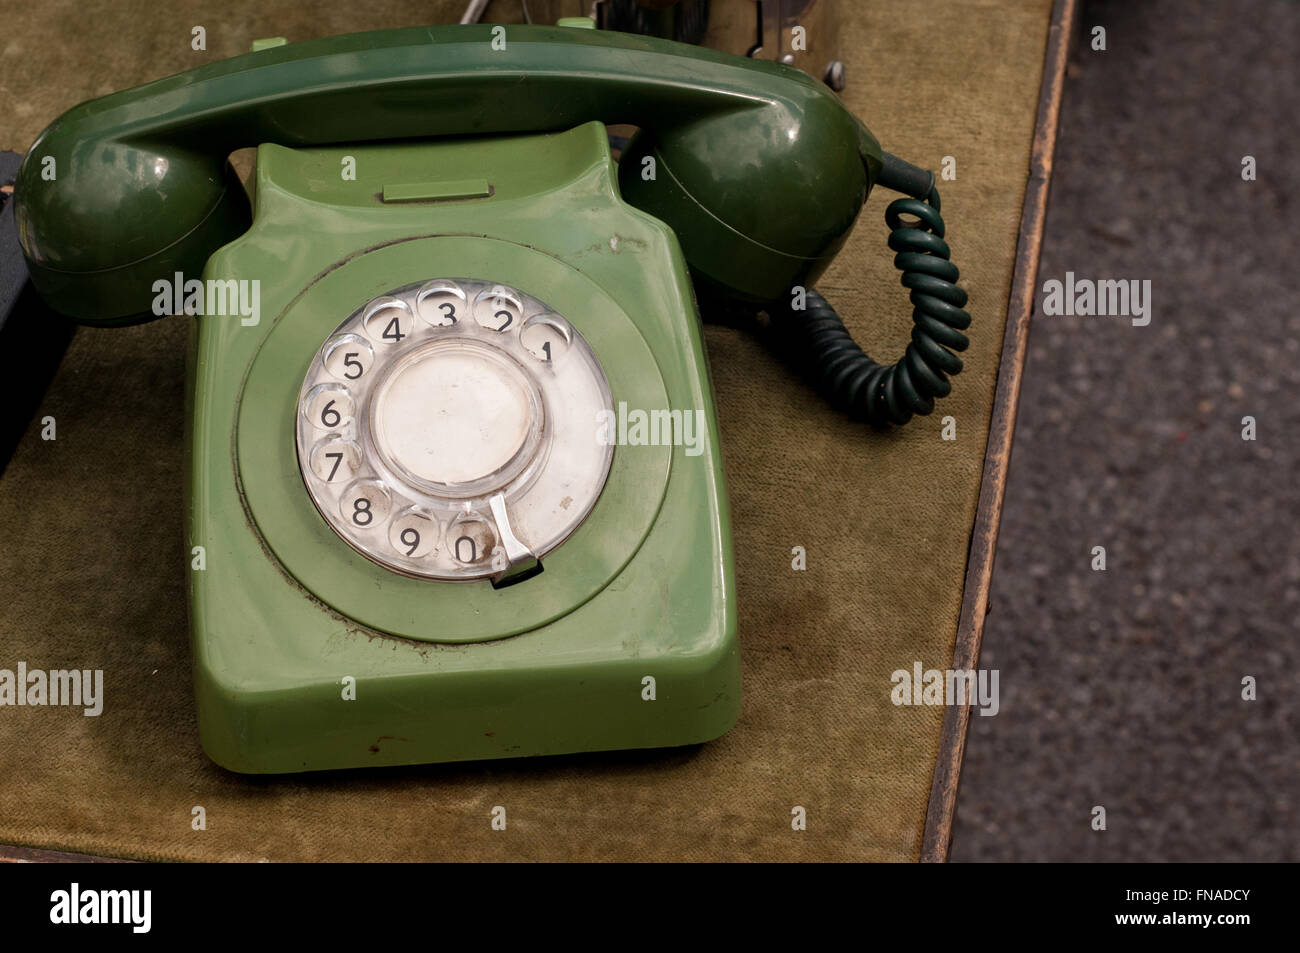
(32, 337)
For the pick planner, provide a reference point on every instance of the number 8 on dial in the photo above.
(365, 504)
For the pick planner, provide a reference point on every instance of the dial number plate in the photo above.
(447, 430)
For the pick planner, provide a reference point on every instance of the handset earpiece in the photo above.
(759, 201)
(123, 217)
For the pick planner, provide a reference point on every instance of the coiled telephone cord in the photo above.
(891, 394)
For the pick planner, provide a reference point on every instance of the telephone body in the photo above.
(419, 543)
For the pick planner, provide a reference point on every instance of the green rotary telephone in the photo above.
(454, 483)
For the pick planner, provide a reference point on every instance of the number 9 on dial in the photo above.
(413, 534)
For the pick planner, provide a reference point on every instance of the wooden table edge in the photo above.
(11, 854)
(979, 568)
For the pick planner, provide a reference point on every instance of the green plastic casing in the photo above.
(309, 656)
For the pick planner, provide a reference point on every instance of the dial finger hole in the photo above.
(471, 540)
(546, 336)
(335, 458)
(348, 356)
(388, 320)
(441, 303)
(365, 504)
(498, 309)
(329, 407)
(413, 533)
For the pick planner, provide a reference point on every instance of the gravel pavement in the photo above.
(1123, 689)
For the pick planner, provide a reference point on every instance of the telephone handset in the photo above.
(466, 341)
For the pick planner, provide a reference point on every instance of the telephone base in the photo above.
(311, 651)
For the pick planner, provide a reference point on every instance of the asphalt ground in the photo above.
(1122, 689)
